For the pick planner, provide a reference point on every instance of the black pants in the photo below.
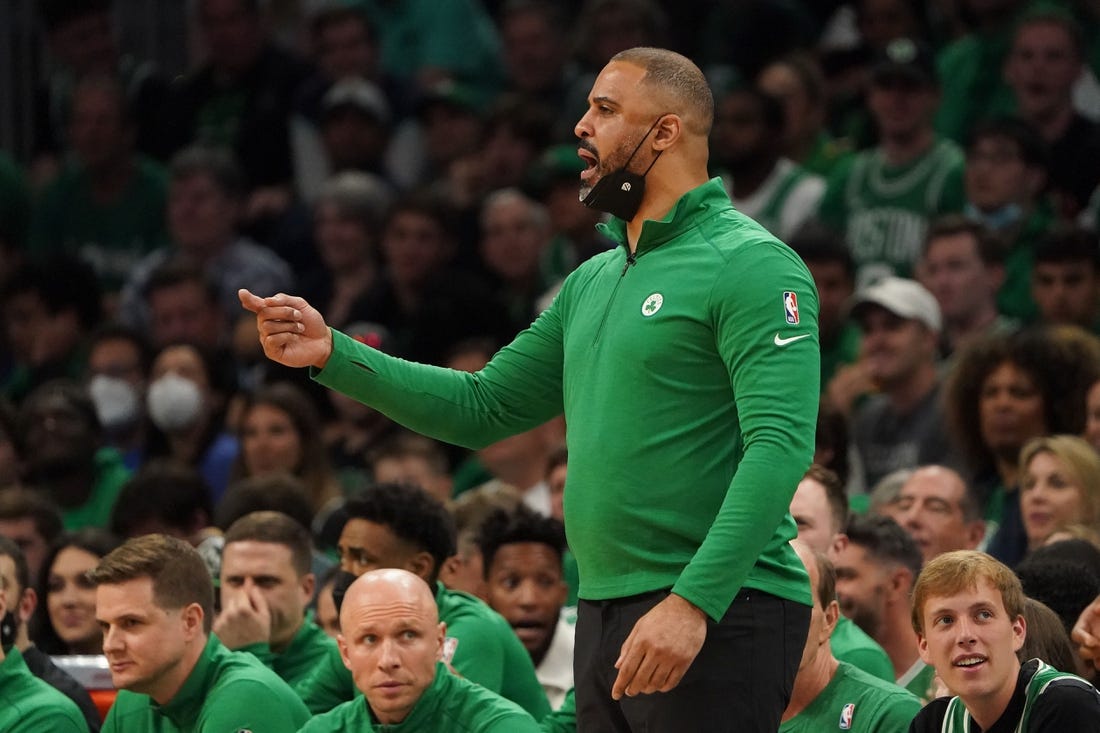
(740, 681)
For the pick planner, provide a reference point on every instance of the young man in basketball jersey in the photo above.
(968, 615)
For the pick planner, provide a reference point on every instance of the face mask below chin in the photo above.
(620, 192)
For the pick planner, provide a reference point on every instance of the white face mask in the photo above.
(173, 402)
(117, 402)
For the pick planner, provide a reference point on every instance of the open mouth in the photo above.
(971, 661)
(590, 162)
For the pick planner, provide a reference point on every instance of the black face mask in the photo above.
(7, 631)
(620, 192)
(340, 588)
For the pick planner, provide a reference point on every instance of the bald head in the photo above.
(391, 640)
(389, 588)
(675, 84)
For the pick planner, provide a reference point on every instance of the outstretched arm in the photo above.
(1086, 632)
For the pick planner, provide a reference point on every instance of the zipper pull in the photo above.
(629, 261)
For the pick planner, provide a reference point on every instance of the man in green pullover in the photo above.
(266, 585)
(686, 362)
(393, 642)
(154, 601)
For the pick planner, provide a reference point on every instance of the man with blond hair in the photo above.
(968, 614)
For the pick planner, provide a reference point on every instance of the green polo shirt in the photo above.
(30, 705)
(310, 649)
(481, 646)
(855, 701)
(450, 704)
(852, 644)
(226, 692)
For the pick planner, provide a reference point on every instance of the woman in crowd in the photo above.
(280, 432)
(64, 621)
(1059, 486)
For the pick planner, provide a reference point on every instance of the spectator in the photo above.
(32, 522)
(30, 704)
(1059, 486)
(874, 576)
(10, 464)
(962, 265)
(22, 600)
(354, 127)
(1002, 392)
(883, 198)
(240, 99)
(265, 587)
(901, 426)
(119, 359)
(1006, 173)
(280, 432)
(1047, 639)
(81, 42)
(410, 458)
(820, 510)
(939, 510)
(327, 617)
(834, 273)
(395, 526)
(164, 497)
(51, 306)
(183, 307)
(945, 620)
(64, 621)
(465, 569)
(186, 403)
(205, 204)
(799, 83)
(1046, 58)
(410, 643)
(1065, 278)
(171, 657)
(522, 555)
(827, 689)
(64, 454)
(746, 146)
(107, 203)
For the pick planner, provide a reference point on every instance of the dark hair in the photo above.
(1046, 637)
(1048, 13)
(74, 395)
(8, 548)
(989, 248)
(832, 435)
(336, 13)
(277, 493)
(21, 503)
(1029, 144)
(179, 575)
(164, 491)
(274, 528)
(834, 493)
(428, 204)
(92, 540)
(668, 73)
(1062, 361)
(520, 525)
(885, 541)
(217, 164)
(114, 331)
(177, 271)
(63, 283)
(314, 468)
(1064, 575)
(771, 110)
(816, 242)
(1069, 245)
(406, 443)
(807, 69)
(412, 514)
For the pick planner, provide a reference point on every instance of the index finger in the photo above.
(629, 661)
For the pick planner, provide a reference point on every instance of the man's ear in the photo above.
(307, 584)
(441, 636)
(27, 603)
(839, 545)
(422, 564)
(192, 617)
(922, 649)
(343, 646)
(832, 615)
(669, 129)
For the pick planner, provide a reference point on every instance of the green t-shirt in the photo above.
(858, 702)
(481, 646)
(31, 705)
(226, 692)
(450, 704)
(310, 648)
(884, 210)
(851, 644)
(688, 369)
(972, 85)
(111, 235)
(110, 476)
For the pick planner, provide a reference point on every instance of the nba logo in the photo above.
(790, 307)
(846, 716)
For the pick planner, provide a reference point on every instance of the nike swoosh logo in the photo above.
(784, 341)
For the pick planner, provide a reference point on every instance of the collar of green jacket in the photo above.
(696, 203)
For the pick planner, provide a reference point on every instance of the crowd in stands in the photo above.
(410, 169)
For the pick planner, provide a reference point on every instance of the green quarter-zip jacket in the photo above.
(689, 375)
